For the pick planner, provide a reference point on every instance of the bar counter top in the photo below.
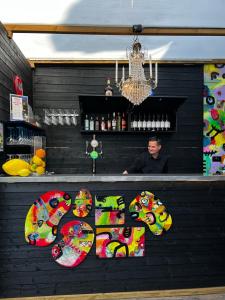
(111, 178)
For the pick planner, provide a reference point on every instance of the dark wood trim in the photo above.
(34, 62)
(138, 294)
(111, 30)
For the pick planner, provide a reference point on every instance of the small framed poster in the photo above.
(18, 108)
(1, 137)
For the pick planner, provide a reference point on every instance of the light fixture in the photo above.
(136, 88)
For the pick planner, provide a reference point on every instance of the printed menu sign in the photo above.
(18, 108)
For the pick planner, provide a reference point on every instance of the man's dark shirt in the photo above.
(146, 164)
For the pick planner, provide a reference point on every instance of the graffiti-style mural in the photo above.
(77, 241)
(109, 210)
(214, 120)
(44, 216)
(120, 242)
(146, 208)
(83, 203)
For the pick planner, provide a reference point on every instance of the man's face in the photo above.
(153, 147)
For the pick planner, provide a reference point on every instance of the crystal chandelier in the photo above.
(136, 88)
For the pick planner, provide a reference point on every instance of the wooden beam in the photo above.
(34, 62)
(112, 30)
(128, 295)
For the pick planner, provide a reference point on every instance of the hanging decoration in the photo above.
(18, 85)
(82, 203)
(43, 217)
(120, 242)
(77, 241)
(45, 214)
(109, 210)
(136, 88)
(146, 208)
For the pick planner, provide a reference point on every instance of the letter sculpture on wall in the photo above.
(109, 210)
(120, 242)
(146, 208)
(44, 216)
(83, 203)
(43, 219)
(77, 241)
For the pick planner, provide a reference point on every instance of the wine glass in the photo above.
(74, 118)
(67, 117)
(47, 119)
(60, 117)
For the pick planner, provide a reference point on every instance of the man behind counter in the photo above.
(150, 162)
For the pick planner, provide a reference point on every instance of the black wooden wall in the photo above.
(12, 62)
(189, 255)
(59, 87)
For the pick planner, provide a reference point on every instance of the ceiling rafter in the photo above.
(34, 62)
(111, 30)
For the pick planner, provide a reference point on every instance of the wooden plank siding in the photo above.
(189, 255)
(12, 62)
(57, 86)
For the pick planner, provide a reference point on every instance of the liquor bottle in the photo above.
(139, 123)
(108, 88)
(132, 123)
(167, 123)
(91, 125)
(123, 123)
(114, 122)
(153, 123)
(109, 123)
(149, 123)
(144, 123)
(157, 122)
(135, 123)
(118, 122)
(103, 124)
(97, 127)
(86, 123)
(162, 123)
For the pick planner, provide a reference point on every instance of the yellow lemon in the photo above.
(40, 170)
(37, 160)
(24, 172)
(43, 164)
(13, 166)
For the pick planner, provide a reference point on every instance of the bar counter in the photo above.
(189, 255)
(111, 178)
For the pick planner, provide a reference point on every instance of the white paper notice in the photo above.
(17, 108)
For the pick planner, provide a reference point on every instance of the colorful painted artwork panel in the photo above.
(120, 242)
(146, 208)
(83, 203)
(109, 210)
(214, 120)
(77, 241)
(43, 217)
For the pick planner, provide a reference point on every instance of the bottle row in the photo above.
(112, 122)
(119, 122)
(152, 122)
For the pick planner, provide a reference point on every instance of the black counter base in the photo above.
(189, 255)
